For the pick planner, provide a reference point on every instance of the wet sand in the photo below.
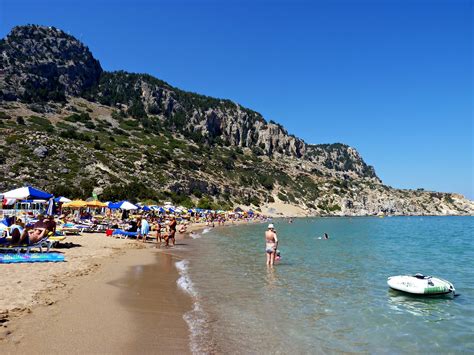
(111, 296)
(131, 305)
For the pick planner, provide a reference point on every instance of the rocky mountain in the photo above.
(44, 63)
(72, 128)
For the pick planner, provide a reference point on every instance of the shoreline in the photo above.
(95, 262)
(130, 305)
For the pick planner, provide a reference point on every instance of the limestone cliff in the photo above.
(72, 128)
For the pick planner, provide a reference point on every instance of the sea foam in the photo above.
(196, 318)
(195, 235)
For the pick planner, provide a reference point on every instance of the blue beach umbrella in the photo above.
(124, 205)
(27, 192)
(61, 199)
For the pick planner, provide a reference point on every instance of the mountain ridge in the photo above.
(51, 83)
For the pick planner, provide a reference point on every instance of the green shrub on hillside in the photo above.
(41, 123)
(73, 134)
(266, 181)
(82, 117)
(4, 116)
(12, 139)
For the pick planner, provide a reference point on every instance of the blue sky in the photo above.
(391, 78)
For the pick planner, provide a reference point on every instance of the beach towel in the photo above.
(30, 258)
(145, 227)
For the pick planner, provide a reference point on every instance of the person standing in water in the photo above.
(172, 231)
(271, 244)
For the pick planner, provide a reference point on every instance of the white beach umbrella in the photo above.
(124, 205)
(128, 206)
(62, 199)
(23, 193)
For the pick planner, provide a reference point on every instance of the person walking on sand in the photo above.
(271, 244)
(172, 232)
(144, 229)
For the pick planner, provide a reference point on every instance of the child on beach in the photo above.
(157, 227)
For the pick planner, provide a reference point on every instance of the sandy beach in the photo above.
(109, 288)
(121, 290)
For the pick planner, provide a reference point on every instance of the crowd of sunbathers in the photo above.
(22, 234)
(164, 228)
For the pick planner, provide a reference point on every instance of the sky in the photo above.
(391, 78)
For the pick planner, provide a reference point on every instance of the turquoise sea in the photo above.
(331, 296)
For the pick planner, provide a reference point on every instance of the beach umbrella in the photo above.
(9, 201)
(62, 199)
(76, 204)
(124, 205)
(6, 222)
(95, 203)
(27, 192)
(50, 208)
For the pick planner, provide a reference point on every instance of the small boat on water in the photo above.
(420, 284)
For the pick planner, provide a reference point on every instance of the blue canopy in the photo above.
(146, 208)
(27, 192)
(7, 221)
(125, 205)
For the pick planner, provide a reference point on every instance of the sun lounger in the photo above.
(56, 239)
(84, 228)
(43, 243)
(124, 234)
(68, 230)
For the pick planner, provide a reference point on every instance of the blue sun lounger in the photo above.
(124, 234)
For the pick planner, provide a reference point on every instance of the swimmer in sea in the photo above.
(326, 236)
(271, 244)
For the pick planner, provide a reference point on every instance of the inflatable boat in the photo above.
(419, 284)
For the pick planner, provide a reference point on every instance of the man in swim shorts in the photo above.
(271, 244)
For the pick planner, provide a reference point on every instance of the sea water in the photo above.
(328, 296)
